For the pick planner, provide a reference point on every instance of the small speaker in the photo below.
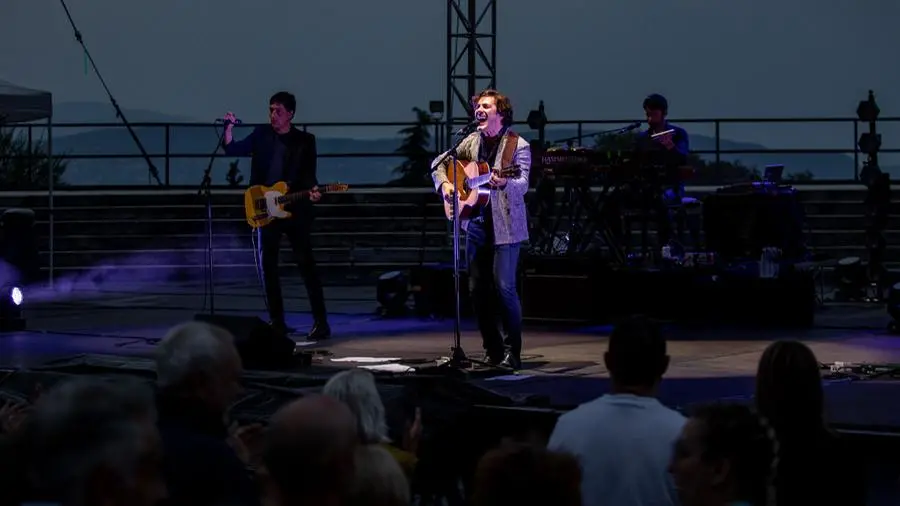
(259, 345)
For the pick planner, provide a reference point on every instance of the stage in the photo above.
(562, 367)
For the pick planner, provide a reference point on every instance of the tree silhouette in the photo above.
(26, 166)
(416, 148)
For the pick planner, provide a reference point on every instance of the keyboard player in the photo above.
(666, 146)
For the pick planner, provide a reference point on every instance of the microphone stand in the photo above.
(458, 358)
(206, 189)
(603, 133)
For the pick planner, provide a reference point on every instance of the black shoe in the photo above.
(493, 359)
(319, 332)
(511, 361)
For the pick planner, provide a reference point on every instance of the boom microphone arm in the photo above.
(153, 170)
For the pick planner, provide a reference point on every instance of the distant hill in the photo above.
(197, 141)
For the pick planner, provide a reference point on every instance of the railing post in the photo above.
(718, 146)
(168, 132)
(855, 150)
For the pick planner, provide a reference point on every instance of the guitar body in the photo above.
(265, 204)
(470, 200)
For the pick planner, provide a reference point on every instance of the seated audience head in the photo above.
(521, 474)
(199, 362)
(357, 389)
(309, 452)
(636, 357)
(789, 388)
(725, 454)
(93, 442)
(378, 479)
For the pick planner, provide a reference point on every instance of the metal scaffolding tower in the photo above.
(471, 25)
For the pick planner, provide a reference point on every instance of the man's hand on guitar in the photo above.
(498, 182)
(315, 195)
(448, 192)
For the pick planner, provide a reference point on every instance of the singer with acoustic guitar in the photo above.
(283, 158)
(493, 164)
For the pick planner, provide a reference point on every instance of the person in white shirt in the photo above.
(624, 439)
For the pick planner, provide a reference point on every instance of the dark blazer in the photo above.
(300, 158)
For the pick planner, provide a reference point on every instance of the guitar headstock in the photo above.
(336, 187)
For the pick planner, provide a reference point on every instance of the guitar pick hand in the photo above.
(315, 195)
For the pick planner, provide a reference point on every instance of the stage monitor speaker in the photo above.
(740, 221)
(257, 342)
(434, 292)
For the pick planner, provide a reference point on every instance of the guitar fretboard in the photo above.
(290, 197)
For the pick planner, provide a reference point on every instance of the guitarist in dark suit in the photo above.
(281, 152)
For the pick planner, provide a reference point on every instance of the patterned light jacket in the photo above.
(509, 213)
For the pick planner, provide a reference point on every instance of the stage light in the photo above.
(15, 295)
(11, 318)
(851, 279)
(392, 292)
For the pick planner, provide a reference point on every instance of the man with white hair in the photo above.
(198, 375)
(357, 389)
(90, 442)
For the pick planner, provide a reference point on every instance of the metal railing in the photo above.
(167, 153)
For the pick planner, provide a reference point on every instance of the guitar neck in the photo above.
(290, 197)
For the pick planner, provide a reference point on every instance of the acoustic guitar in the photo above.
(471, 190)
(265, 204)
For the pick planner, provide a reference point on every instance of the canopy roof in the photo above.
(21, 105)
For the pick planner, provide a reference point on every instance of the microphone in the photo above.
(479, 117)
(636, 124)
(229, 122)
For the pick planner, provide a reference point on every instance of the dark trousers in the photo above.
(492, 283)
(297, 231)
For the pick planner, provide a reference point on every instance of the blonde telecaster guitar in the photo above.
(265, 204)
(471, 186)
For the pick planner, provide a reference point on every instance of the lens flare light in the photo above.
(16, 295)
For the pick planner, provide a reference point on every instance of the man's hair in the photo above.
(656, 102)
(357, 389)
(789, 387)
(288, 100)
(734, 432)
(377, 479)
(636, 354)
(309, 456)
(520, 473)
(82, 426)
(192, 350)
(504, 105)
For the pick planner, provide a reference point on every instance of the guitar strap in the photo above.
(509, 150)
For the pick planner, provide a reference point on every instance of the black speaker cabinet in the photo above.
(258, 344)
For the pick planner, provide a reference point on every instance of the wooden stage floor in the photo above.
(564, 366)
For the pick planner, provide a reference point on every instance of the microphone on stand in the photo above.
(479, 117)
(229, 122)
(636, 124)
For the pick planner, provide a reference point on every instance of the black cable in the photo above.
(153, 171)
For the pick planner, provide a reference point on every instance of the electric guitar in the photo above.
(265, 204)
(471, 190)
